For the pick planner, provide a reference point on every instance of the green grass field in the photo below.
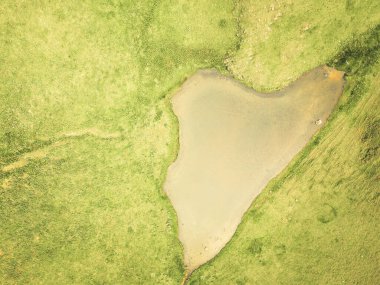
(89, 208)
(280, 40)
(87, 134)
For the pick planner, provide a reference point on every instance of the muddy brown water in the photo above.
(233, 140)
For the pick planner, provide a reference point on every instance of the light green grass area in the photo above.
(280, 40)
(317, 222)
(87, 134)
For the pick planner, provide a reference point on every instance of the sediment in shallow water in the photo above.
(233, 140)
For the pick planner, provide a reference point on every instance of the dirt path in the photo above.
(59, 140)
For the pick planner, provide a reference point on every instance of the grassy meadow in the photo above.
(280, 40)
(87, 134)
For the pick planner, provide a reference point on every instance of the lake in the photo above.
(233, 141)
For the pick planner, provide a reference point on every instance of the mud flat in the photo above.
(233, 140)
